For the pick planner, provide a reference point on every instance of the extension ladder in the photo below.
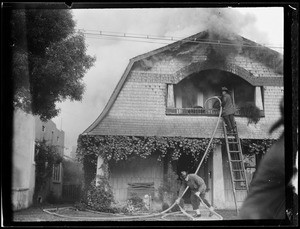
(236, 164)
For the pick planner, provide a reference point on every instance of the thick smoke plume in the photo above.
(224, 25)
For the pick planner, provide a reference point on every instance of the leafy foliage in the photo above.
(97, 197)
(134, 204)
(256, 146)
(116, 148)
(49, 60)
(120, 148)
(89, 163)
(45, 157)
(250, 111)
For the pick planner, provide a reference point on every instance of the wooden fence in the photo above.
(71, 192)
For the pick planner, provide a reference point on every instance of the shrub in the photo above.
(136, 200)
(251, 111)
(97, 197)
(134, 204)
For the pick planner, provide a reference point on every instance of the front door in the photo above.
(206, 173)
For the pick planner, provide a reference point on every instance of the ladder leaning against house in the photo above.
(236, 164)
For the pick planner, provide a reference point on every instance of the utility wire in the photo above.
(106, 38)
(125, 36)
(153, 36)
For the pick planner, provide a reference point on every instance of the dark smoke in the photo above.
(222, 24)
(223, 31)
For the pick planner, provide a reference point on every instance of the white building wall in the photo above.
(23, 168)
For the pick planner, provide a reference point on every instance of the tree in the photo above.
(49, 60)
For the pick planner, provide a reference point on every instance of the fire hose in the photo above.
(50, 211)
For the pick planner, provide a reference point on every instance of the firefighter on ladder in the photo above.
(228, 110)
(198, 189)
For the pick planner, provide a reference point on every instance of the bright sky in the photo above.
(262, 25)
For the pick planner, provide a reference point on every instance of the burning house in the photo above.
(157, 121)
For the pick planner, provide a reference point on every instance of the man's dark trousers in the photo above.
(229, 120)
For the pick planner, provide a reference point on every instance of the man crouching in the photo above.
(198, 189)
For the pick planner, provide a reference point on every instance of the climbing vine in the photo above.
(46, 156)
(121, 148)
(256, 146)
(117, 148)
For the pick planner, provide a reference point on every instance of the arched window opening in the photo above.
(191, 93)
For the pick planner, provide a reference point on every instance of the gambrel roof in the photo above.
(183, 48)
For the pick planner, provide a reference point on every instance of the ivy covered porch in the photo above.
(153, 164)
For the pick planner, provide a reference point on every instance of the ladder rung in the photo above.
(240, 180)
(234, 151)
(231, 133)
(236, 160)
(236, 170)
(231, 137)
(232, 142)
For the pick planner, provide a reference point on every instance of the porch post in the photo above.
(218, 179)
(101, 172)
(258, 98)
(170, 99)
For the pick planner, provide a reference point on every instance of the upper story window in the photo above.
(191, 95)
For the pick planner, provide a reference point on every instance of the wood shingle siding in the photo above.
(138, 104)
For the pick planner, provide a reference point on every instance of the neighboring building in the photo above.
(163, 92)
(23, 165)
(26, 129)
(48, 131)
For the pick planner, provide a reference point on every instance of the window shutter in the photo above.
(258, 98)
(170, 98)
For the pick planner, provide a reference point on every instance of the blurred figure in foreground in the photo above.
(267, 192)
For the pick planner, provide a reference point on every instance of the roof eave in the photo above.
(111, 99)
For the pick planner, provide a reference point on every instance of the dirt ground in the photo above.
(45, 214)
(69, 216)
